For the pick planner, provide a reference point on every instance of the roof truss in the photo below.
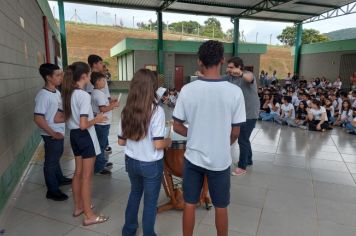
(285, 10)
(341, 11)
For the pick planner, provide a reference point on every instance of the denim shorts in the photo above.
(218, 183)
(82, 144)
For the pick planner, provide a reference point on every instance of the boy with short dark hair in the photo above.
(97, 65)
(47, 102)
(101, 104)
(214, 119)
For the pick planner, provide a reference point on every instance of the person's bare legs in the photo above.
(87, 175)
(188, 219)
(76, 185)
(221, 221)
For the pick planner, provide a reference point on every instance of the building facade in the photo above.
(28, 38)
(180, 58)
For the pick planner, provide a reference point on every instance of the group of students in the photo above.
(317, 107)
(168, 96)
(214, 124)
(267, 81)
(210, 123)
(85, 107)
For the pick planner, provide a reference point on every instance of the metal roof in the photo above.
(269, 10)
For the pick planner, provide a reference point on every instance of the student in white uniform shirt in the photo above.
(351, 125)
(288, 80)
(100, 103)
(337, 84)
(96, 64)
(47, 102)
(142, 129)
(345, 113)
(214, 118)
(287, 112)
(79, 118)
(317, 117)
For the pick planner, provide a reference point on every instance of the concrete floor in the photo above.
(302, 183)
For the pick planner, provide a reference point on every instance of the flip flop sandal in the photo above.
(80, 213)
(98, 220)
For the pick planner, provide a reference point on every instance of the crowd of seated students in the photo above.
(317, 105)
(169, 96)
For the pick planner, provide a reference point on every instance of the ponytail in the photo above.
(71, 76)
(67, 90)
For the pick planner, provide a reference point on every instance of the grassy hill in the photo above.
(349, 33)
(85, 39)
(277, 58)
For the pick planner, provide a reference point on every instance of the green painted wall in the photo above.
(21, 81)
(133, 44)
(13, 173)
(332, 46)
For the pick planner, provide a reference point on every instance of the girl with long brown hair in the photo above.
(79, 118)
(142, 129)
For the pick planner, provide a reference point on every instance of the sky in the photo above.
(263, 31)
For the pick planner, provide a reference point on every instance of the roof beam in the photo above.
(166, 4)
(317, 4)
(263, 6)
(197, 12)
(268, 19)
(108, 4)
(291, 12)
(341, 11)
(214, 4)
(234, 6)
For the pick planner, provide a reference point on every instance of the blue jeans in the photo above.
(268, 116)
(350, 127)
(245, 144)
(51, 168)
(145, 178)
(102, 131)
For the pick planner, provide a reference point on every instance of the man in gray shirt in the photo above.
(248, 85)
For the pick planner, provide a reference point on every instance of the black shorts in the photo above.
(218, 183)
(82, 144)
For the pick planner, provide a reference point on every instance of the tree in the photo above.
(230, 34)
(313, 36)
(189, 27)
(212, 28)
(151, 25)
(288, 35)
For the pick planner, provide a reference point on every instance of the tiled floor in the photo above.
(302, 183)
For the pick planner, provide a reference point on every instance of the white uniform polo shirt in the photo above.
(81, 106)
(211, 108)
(99, 99)
(144, 149)
(47, 103)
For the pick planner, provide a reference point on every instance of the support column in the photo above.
(298, 47)
(62, 23)
(160, 54)
(235, 50)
